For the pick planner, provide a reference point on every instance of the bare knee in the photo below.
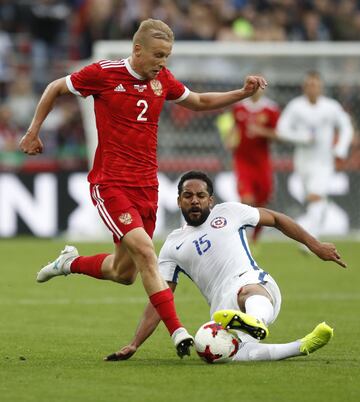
(144, 257)
(126, 279)
(251, 290)
(122, 271)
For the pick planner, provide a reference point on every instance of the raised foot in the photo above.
(60, 266)
(235, 319)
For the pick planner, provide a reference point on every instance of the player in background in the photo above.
(239, 129)
(322, 133)
(128, 98)
(212, 249)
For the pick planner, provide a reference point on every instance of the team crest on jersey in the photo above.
(156, 87)
(218, 222)
(125, 218)
(140, 88)
(262, 118)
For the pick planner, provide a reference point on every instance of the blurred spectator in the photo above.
(343, 21)
(9, 15)
(267, 30)
(9, 139)
(311, 28)
(203, 22)
(5, 62)
(22, 100)
(48, 27)
(92, 23)
(9, 134)
(70, 134)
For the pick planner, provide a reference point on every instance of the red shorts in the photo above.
(125, 208)
(255, 182)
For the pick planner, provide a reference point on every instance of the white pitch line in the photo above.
(181, 299)
(67, 301)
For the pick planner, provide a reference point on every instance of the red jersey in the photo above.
(264, 112)
(127, 109)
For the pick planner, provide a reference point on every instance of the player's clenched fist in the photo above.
(253, 83)
(31, 144)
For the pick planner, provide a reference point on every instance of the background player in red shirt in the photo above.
(128, 98)
(240, 131)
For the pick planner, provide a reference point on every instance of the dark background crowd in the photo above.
(40, 40)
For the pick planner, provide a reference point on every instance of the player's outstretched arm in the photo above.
(148, 323)
(216, 100)
(146, 327)
(31, 143)
(325, 251)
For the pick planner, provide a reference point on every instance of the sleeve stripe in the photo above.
(183, 96)
(71, 86)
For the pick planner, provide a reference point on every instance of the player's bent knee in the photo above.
(127, 277)
(126, 280)
(124, 272)
(251, 290)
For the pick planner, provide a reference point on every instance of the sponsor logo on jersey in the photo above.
(125, 218)
(140, 88)
(218, 222)
(177, 247)
(156, 87)
(120, 88)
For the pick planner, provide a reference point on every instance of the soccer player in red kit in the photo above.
(128, 97)
(241, 130)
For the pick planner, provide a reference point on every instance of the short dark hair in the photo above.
(197, 175)
(313, 74)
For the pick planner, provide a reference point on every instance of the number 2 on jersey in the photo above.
(142, 103)
(202, 245)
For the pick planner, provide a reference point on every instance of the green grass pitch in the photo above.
(53, 336)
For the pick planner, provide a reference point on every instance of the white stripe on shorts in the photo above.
(105, 214)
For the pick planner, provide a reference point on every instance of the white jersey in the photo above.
(214, 253)
(312, 128)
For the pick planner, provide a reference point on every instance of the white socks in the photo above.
(250, 351)
(260, 307)
(315, 214)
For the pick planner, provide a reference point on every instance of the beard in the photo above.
(198, 220)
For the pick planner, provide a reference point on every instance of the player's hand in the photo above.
(253, 83)
(328, 252)
(31, 144)
(123, 354)
(339, 164)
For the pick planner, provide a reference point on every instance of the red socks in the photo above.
(90, 266)
(163, 301)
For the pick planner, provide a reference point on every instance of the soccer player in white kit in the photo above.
(212, 249)
(311, 122)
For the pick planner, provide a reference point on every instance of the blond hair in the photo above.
(151, 28)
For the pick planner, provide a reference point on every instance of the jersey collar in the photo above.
(131, 71)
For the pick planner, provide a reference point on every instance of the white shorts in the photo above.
(316, 181)
(229, 295)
